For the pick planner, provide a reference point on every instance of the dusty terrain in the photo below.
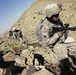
(27, 23)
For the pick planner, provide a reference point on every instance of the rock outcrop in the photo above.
(24, 55)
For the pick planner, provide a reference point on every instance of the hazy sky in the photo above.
(10, 11)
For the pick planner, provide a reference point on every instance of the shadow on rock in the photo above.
(66, 67)
(10, 65)
(39, 58)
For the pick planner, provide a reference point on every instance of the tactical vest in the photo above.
(39, 28)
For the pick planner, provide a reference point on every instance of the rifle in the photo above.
(63, 29)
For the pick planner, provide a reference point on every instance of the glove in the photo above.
(60, 34)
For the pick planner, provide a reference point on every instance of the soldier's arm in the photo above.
(53, 39)
(45, 36)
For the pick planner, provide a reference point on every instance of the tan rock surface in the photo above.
(28, 20)
(27, 23)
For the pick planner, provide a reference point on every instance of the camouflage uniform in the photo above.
(45, 27)
(43, 31)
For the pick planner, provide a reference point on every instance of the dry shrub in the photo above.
(16, 46)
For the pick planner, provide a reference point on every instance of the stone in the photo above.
(29, 71)
(69, 40)
(10, 56)
(43, 72)
(27, 54)
(20, 61)
(60, 51)
(24, 72)
(5, 71)
(53, 58)
(8, 72)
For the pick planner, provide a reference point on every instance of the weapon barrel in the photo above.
(71, 28)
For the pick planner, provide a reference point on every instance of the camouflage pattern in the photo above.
(45, 27)
(53, 9)
(43, 31)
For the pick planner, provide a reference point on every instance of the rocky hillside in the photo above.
(23, 51)
(35, 13)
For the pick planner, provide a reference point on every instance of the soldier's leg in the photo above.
(53, 40)
(60, 51)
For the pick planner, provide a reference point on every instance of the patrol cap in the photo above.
(53, 9)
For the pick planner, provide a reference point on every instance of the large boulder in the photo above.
(20, 61)
(28, 55)
(29, 70)
(48, 55)
(42, 72)
(10, 56)
(4, 71)
(60, 51)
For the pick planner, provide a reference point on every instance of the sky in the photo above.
(10, 11)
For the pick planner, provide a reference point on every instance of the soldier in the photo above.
(46, 26)
(44, 31)
(59, 41)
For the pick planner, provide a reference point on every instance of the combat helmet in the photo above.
(53, 9)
